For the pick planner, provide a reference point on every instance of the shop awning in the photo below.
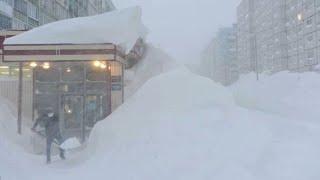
(61, 52)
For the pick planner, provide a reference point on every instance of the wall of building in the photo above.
(219, 60)
(276, 35)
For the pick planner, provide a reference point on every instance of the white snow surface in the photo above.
(120, 27)
(180, 126)
(291, 95)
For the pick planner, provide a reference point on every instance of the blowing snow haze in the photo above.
(184, 27)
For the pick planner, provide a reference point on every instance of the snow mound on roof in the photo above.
(120, 27)
(291, 95)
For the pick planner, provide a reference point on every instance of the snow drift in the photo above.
(291, 95)
(182, 126)
(120, 27)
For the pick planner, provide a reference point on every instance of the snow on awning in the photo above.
(121, 28)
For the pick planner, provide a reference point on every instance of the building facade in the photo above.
(219, 60)
(276, 35)
(26, 14)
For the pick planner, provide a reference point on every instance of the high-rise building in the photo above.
(219, 61)
(276, 35)
(244, 35)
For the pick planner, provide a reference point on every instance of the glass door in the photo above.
(72, 115)
(97, 109)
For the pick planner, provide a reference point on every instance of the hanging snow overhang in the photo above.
(62, 52)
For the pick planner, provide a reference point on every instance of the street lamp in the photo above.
(300, 19)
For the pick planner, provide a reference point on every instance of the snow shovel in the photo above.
(70, 144)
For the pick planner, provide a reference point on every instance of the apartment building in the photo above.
(219, 59)
(303, 26)
(276, 35)
(244, 35)
(26, 14)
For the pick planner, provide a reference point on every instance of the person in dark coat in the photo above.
(51, 123)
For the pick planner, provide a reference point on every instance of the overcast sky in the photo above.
(184, 27)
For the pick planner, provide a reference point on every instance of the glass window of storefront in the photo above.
(80, 92)
(13, 71)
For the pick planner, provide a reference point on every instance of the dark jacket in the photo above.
(51, 125)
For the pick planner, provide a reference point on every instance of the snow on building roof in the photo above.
(120, 27)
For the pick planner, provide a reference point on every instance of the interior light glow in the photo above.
(97, 63)
(103, 66)
(33, 64)
(46, 65)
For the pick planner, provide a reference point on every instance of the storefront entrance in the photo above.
(80, 94)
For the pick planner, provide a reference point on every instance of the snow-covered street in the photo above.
(183, 126)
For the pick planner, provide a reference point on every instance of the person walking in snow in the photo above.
(52, 131)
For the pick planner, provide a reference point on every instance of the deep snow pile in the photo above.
(155, 62)
(317, 68)
(8, 125)
(183, 126)
(121, 27)
(290, 95)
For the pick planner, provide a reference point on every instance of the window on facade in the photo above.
(309, 21)
(72, 73)
(72, 87)
(5, 22)
(4, 71)
(10, 2)
(317, 2)
(21, 6)
(310, 55)
(47, 75)
(32, 11)
(96, 87)
(47, 88)
(96, 74)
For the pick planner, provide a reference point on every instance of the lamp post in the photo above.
(300, 19)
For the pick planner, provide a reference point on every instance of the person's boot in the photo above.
(48, 161)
